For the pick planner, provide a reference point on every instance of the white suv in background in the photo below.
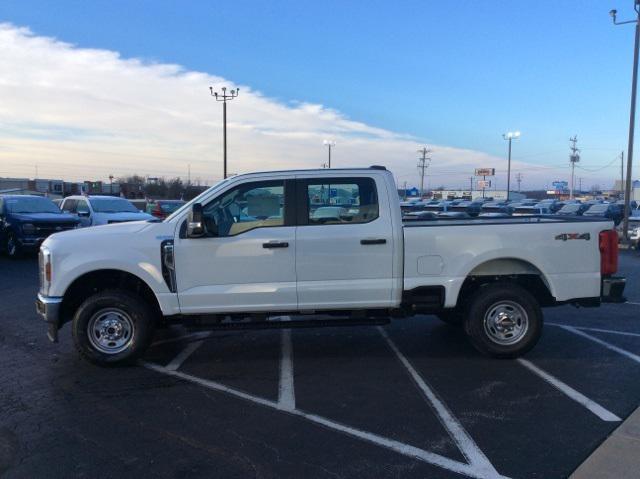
(102, 210)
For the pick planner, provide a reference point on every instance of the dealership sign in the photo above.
(485, 171)
(482, 184)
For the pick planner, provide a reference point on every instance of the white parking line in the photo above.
(607, 345)
(470, 470)
(580, 398)
(597, 330)
(191, 336)
(286, 391)
(467, 446)
(632, 302)
(183, 355)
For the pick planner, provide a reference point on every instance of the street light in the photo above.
(329, 144)
(510, 136)
(223, 97)
(632, 115)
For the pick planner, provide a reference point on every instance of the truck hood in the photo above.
(44, 217)
(125, 216)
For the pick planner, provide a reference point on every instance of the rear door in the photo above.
(344, 253)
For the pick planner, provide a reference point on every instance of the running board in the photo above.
(280, 324)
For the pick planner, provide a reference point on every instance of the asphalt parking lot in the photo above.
(411, 399)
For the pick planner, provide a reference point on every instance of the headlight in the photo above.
(45, 270)
(28, 229)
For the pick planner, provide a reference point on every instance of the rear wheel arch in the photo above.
(508, 270)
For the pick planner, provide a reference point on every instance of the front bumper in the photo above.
(49, 308)
(612, 290)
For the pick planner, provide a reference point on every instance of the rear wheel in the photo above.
(113, 327)
(503, 320)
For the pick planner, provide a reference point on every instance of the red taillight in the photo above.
(608, 252)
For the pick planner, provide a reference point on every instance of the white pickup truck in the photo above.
(319, 244)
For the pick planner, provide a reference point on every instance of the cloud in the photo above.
(83, 113)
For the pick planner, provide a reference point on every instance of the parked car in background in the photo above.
(141, 205)
(102, 210)
(551, 204)
(163, 208)
(494, 214)
(531, 210)
(419, 216)
(573, 209)
(606, 210)
(472, 208)
(497, 207)
(26, 221)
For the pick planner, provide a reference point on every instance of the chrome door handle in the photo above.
(275, 244)
(373, 241)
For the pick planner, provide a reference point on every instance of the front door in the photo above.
(246, 260)
(344, 252)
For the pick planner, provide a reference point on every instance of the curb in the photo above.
(618, 456)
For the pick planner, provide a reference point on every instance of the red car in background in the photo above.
(163, 208)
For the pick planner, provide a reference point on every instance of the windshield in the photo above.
(31, 205)
(570, 208)
(112, 205)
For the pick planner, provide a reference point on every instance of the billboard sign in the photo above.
(485, 171)
(483, 184)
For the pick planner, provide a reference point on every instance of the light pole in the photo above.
(111, 184)
(329, 144)
(224, 97)
(510, 136)
(632, 115)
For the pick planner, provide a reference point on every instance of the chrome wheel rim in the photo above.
(506, 323)
(110, 331)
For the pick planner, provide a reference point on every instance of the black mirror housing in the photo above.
(195, 225)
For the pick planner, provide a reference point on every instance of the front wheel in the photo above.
(113, 328)
(503, 320)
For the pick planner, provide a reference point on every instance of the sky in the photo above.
(89, 89)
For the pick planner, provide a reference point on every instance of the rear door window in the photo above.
(331, 201)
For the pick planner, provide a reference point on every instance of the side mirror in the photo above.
(195, 226)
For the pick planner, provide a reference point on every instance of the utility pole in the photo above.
(580, 182)
(573, 158)
(519, 180)
(405, 191)
(224, 97)
(632, 115)
(622, 175)
(329, 144)
(471, 184)
(111, 184)
(510, 136)
(423, 164)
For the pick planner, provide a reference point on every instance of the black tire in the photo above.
(12, 247)
(509, 301)
(452, 317)
(129, 320)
